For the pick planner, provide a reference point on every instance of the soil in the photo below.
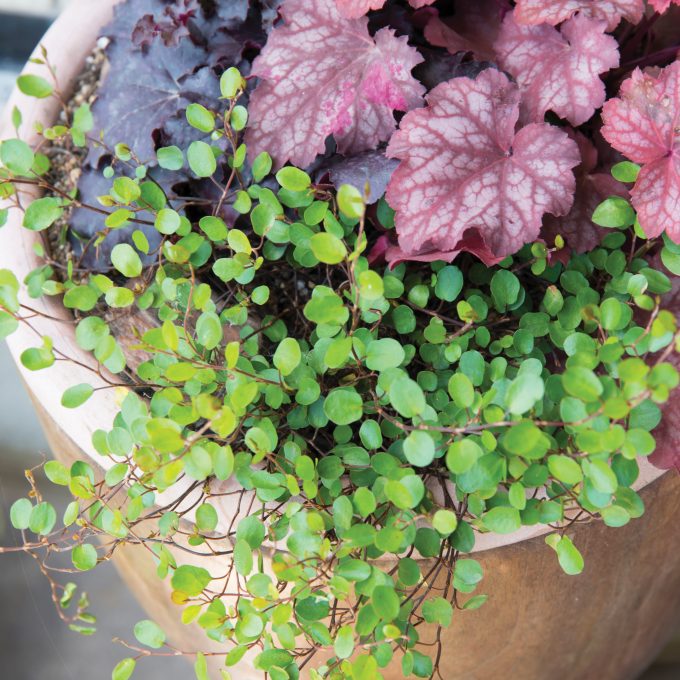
(67, 159)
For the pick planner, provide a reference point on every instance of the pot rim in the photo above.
(85, 19)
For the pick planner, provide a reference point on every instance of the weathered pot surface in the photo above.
(607, 623)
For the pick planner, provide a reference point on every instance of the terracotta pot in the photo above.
(607, 623)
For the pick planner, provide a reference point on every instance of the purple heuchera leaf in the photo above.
(592, 187)
(353, 9)
(553, 12)
(321, 75)
(126, 16)
(171, 26)
(232, 12)
(558, 70)
(269, 9)
(466, 172)
(371, 167)
(643, 125)
(130, 109)
(473, 28)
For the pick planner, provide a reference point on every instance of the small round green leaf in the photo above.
(343, 406)
(126, 260)
(200, 118)
(124, 669)
(293, 179)
(150, 634)
(84, 557)
(201, 159)
(34, 86)
(20, 513)
(327, 248)
(287, 356)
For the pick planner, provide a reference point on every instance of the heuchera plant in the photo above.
(394, 274)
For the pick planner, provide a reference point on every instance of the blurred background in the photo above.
(34, 643)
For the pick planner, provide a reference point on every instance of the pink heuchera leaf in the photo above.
(592, 187)
(643, 125)
(353, 9)
(558, 70)
(662, 5)
(473, 27)
(466, 174)
(321, 75)
(553, 12)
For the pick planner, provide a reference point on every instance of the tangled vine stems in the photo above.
(309, 442)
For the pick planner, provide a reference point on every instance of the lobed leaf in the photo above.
(461, 156)
(166, 79)
(171, 26)
(357, 83)
(558, 70)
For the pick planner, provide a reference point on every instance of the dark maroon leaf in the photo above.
(667, 434)
(353, 9)
(472, 242)
(371, 167)
(378, 251)
(401, 19)
(662, 5)
(440, 66)
(473, 27)
(593, 186)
